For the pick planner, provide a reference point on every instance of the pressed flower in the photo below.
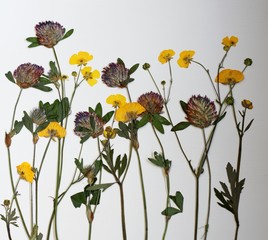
(38, 116)
(49, 33)
(89, 173)
(229, 42)
(229, 76)
(152, 102)
(26, 172)
(109, 132)
(247, 104)
(200, 111)
(90, 76)
(166, 55)
(81, 58)
(185, 58)
(116, 100)
(54, 129)
(129, 111)
(88, 124)
(115, 75)
(27, 75)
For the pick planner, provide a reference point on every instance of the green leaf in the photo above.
(10, 77)
(95, 199)
(32, 39)
(122, 166)
(98, 110)
(178, 200)
(180, 126)
(157, 160)
(144, 120)
(79, 164)
(220, 118)
(157, 124)
(33, 45)
(123, 132)
(41, 87)
(161, 119)
(183, 106)
(133, 69)
(106, 118)
(120, 61)
(248, 126)
(68, 34)
(28, 122)
(18, 125)
(78, 199)
(170, 211)
(102, 186)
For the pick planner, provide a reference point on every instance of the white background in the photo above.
(137, 31)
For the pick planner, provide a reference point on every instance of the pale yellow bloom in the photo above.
(81, 58)
(90, 76)
(54, 129)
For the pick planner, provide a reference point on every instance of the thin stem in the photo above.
(196, 205)
(170, 84)
(143, 196)
(123, 218)
(15, 108)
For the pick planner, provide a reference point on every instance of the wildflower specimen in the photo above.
(185, 58)
(229, 76)
(200, 111)
(116, 100)
(90, 76)
(49, 33)
(81, 58)
(166, 55)
(25, 171)
(38, 116)
(229, 42)
(88, 124)
(115, 75)
(247, 104)
(27, 75)
(152, 102)
(130, 111)
(54, 129)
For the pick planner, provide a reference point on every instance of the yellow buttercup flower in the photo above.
(129, 111)
(185, 58)
(229, 76)
(247, 104)
(166, 55)
(25, 171)
(109, 132)
(54, 129)
(81, 58)
(229, 42)
(116, 100)
(90, 76)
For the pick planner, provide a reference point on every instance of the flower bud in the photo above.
(229, 100)
(146, 66)
(247, 104)
(6, 203)
(8, 140)
(248, 61)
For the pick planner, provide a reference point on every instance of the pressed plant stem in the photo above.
(196, 205)
(123, 218)
(143, 196)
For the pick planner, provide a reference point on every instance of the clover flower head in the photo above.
(129, 112)
(38, 116)
(229, 77)
(185, 58)
(49, 33)
(116, 100)
(247, 104)
(27, 75)
(200, 111)
(88, 124)
(152, 102)
(228, 42)
(115, 75)
(166, 55)
(90, 76)
(53, 130)
(81, 58)
(26, 172)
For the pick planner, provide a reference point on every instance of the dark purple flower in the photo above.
(88, 124)
(115, 75)
(27, 75)
(200, 111)
(49, 33)
(152, 102)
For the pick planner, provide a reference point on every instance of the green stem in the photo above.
(15, 108)
(143, 196)
(123, 218)
(196, 205)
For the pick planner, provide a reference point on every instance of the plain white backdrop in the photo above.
(137, 31)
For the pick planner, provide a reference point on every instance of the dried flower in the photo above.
(88, 124)
(200, 111)
(89, 173)
(116, 100)
(166, 55)
(229, 76)
(229, 42)
(25, 171)
(54, 129)
(90, 76)
(115, 75)
(152, 102)
(130, 111)
(81, 58)
(247, 104)
(38, 116)
(27, 75)
(109, 132)
(49, 33)
(185, 58)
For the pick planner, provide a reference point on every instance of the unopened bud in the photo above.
(8, 140)
(248, 61)
(229, 100)
(247, 104)
(146, 66)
